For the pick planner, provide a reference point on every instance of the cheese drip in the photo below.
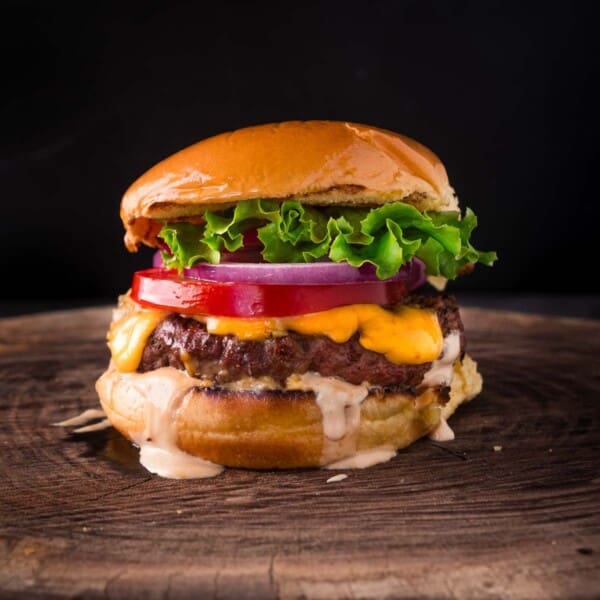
(129, 331)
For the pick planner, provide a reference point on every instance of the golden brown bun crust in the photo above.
(323, 162)
(274, 428)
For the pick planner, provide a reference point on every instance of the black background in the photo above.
(96, 93)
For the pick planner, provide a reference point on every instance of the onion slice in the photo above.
(317, 273)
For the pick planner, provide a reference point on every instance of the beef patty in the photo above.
(183, 342)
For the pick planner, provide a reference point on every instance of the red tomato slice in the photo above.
(160, 288)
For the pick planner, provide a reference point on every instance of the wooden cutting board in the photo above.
(510, 509)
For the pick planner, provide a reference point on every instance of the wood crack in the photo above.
(273, 583)
(118, 491)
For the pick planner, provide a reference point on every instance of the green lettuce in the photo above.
(387, 236)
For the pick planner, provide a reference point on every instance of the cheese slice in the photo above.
(405, 335)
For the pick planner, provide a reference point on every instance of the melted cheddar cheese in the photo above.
(128, 335)
(404, 335)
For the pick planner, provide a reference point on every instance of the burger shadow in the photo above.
(110, 446)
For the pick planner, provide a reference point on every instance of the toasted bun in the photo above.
(272, 428)
(321, 162)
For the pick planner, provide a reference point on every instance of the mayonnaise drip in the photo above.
(364, 458)
(86, 416)
(441, 369)
(339, 402)
(162, 393)
(442, 433)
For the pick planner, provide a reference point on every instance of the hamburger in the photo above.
(283, 323)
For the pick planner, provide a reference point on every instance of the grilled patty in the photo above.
(183, 342)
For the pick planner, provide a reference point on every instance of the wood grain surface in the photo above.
(79, 518)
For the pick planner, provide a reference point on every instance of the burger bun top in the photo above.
(317, 162)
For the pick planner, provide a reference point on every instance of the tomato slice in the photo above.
(161, 288)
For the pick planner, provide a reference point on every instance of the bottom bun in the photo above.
(261, 428)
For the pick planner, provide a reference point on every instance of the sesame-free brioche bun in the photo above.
(273, 428)
(319, 162)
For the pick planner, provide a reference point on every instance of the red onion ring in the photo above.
(317, 273)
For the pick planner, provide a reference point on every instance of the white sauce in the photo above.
(339, 402)
(364, 459)
(85, 417)
(337, 478)
(173, 463)
(442, 433)
(441, 370)
(104, 424)
(163, 393)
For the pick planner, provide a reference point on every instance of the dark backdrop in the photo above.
(96, 94)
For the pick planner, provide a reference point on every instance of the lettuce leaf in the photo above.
(387, 236)
(187, 246)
